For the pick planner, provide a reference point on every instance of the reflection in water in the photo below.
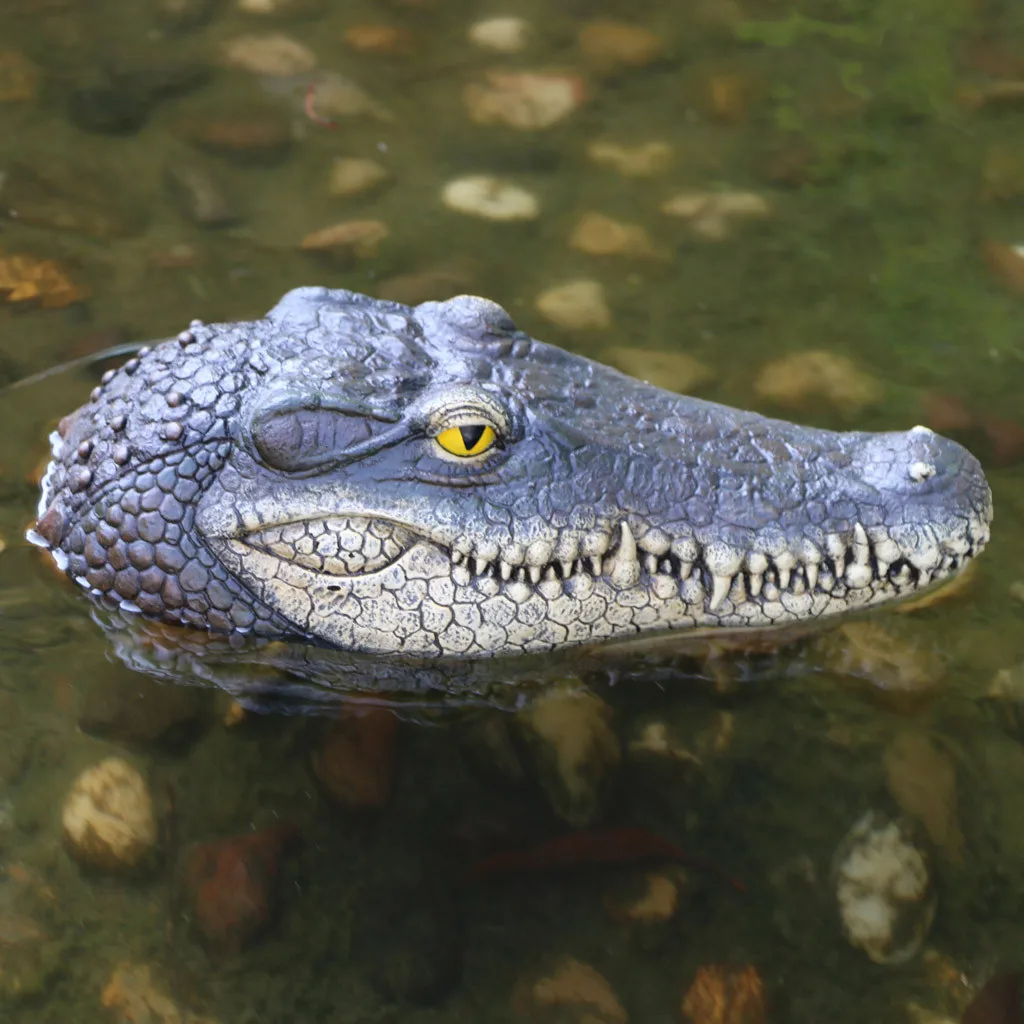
(813, 212)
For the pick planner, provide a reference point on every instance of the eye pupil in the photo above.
(471, 435)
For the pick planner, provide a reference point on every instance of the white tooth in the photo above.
(785, 562)
(883, 568)
(798, 585)
(651, 564)
(566, 564)
(521, 574)
(886, 550)
(480, 566)
(685, 568)
(757, 563)
(756, 582)
(738, 590)
(861, 546)
(858, 575)
(457, 557)
(722, 559)
(535, 571)
(721, 587)
(771, 592)
(666, 566)
(656, 542)
(505, 569)
(551, 574)
(836, 547)
(812, 575)
(595, 564)
(625, 569)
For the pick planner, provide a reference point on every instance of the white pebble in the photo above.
(481, 195)
(506, 34)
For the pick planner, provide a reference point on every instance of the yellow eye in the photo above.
(467, 440)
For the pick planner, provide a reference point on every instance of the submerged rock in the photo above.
(356, 759)
(574, 987)
(921, 777)
(276, 54)
(503, 34)
(674, 371)
(576, 306)
(380, 40)
(526, 100)
(642, 161)
(19, 77)
(617, 46)
(67, 197)
(359, 238)
(27, 281)
(133, 709)
(574, 749)
(197, 194)
(352, 176)
(599, 235)
(245, 134)
(721, 994)
(809, 379)
(883, 888)
(232, 886)
(108, 819)
(711, 213)
(481, 195)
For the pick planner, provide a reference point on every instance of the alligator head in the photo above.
(431, 481)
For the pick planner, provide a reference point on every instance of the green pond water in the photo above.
(886, 140)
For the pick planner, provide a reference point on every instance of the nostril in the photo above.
(921, 471)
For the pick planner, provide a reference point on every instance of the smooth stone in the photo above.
(576, 306)
(108, 110)
(197, 194)
(503, 34)
(352, 176)
(248, 134)
(67, 197)
(481, 195)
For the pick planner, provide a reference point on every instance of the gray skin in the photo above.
(282, 478)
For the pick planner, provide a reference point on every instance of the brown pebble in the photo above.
(355, 762)
(360, 237)
(1006, 262)
(614, 45)
(381, 40)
